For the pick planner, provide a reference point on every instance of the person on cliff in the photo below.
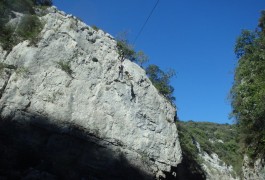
(120, 72)
(121, 57)
(129, 76)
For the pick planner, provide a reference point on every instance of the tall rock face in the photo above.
(67, 87)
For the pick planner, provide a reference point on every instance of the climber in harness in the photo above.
(128, 75)
(122, 56)
(133, 98)
(120, 72)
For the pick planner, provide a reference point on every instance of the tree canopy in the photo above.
(161, 80)
(248, 91)
(141, 58)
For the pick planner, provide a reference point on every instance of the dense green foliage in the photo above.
(161, 80)
(29, 26)
(221, 139)
(248, 91)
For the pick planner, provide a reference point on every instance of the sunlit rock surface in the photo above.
(253, 170)
(127, 116)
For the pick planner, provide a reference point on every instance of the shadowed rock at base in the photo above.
(28, 151)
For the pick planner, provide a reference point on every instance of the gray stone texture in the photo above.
(253, 170)
(127, 115)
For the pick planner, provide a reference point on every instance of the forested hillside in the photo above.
(199, 137)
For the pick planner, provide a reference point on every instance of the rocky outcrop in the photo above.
(215, 168)
(253, 171)
(70, 79)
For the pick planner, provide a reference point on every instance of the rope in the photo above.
(145, 22)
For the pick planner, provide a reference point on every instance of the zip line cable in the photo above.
(139, 33)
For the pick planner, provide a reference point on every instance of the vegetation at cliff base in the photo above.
(248, 91)
(221, 139)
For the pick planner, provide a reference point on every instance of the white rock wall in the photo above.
(215, 168)
(91, 97)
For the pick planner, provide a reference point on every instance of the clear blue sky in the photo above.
(194, 37)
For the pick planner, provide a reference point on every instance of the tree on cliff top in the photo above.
(161, 80)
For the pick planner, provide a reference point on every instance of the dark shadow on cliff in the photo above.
(30, 151)
(188, 169)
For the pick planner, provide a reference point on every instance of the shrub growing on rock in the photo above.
(125, 50)
(161, 80)
(29, 27)
(141, 58)
(66, 67)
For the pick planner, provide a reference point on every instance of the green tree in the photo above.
(244, 43)
(125, 50)
(141, 58)
(161, 80)
(248, 91)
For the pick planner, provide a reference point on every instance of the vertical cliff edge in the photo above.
(67, 84)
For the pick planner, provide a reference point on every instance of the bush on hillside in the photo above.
(213, 138)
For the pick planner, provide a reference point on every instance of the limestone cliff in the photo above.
(215, 168)
(126, 116)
